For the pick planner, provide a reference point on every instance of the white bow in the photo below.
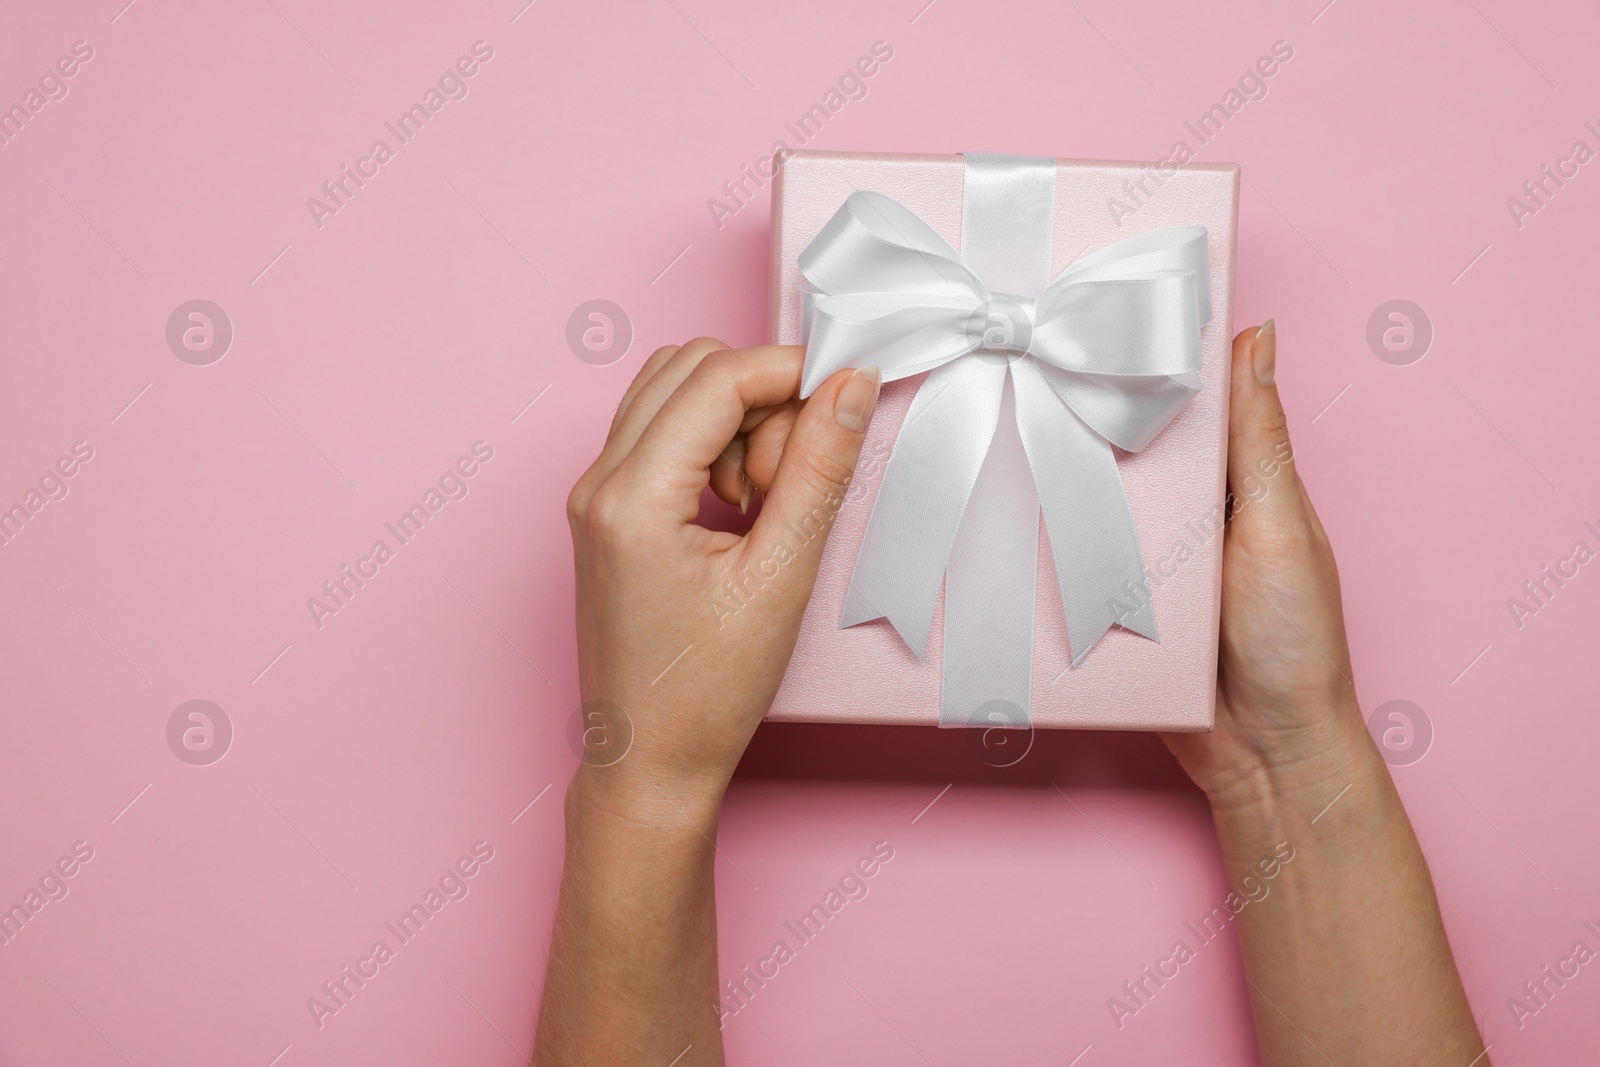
(1106, 354)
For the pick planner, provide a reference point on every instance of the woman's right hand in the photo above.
(1287, 721)
(685, 632)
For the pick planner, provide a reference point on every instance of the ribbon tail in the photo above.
(1092, 536)
(989, 590)
(926, 485)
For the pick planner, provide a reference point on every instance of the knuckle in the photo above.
(705, 344)
(716, 372)
(825, 472)
(1274, 425)
(721, 366)
(578, 500)
(575, 509)
(658, 359)
(607, 512)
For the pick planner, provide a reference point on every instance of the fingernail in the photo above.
(853, 408)
(744, 499)
(1264, 353)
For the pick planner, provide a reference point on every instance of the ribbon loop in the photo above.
(1043, 381)
(873, 244)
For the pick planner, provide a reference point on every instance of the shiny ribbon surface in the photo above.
(1030, 382)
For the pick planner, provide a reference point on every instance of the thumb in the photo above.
(1261, 476)
(819, 458)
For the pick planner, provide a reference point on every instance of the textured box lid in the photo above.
(1175, 486)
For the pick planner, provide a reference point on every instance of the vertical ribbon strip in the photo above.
(1007, 223)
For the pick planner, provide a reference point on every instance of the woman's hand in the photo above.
(683, 636)
(1343, 946)
(684, 633)
(1287, 721)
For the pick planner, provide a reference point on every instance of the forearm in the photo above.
(1343, 944)
(632, 972)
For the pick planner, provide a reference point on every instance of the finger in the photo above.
(663, 372)
(584, 489)
(1261, 474)
(647, 395)
(728, 479)
(756, 416)
(651, 367)
(764, 449)
(1278, 566)
(749, 464)
(695, 424)
(819, 458)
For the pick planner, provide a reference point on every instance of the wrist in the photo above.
(635, 800)
(1299, 776)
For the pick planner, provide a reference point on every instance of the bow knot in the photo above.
(1002, 324)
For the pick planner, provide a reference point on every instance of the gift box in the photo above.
(1056, 338)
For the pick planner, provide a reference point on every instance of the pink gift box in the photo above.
(866, 673)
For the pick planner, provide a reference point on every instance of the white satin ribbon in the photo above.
(1030, 382)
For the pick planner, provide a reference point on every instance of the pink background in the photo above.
(868, 673)
(371, 353)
